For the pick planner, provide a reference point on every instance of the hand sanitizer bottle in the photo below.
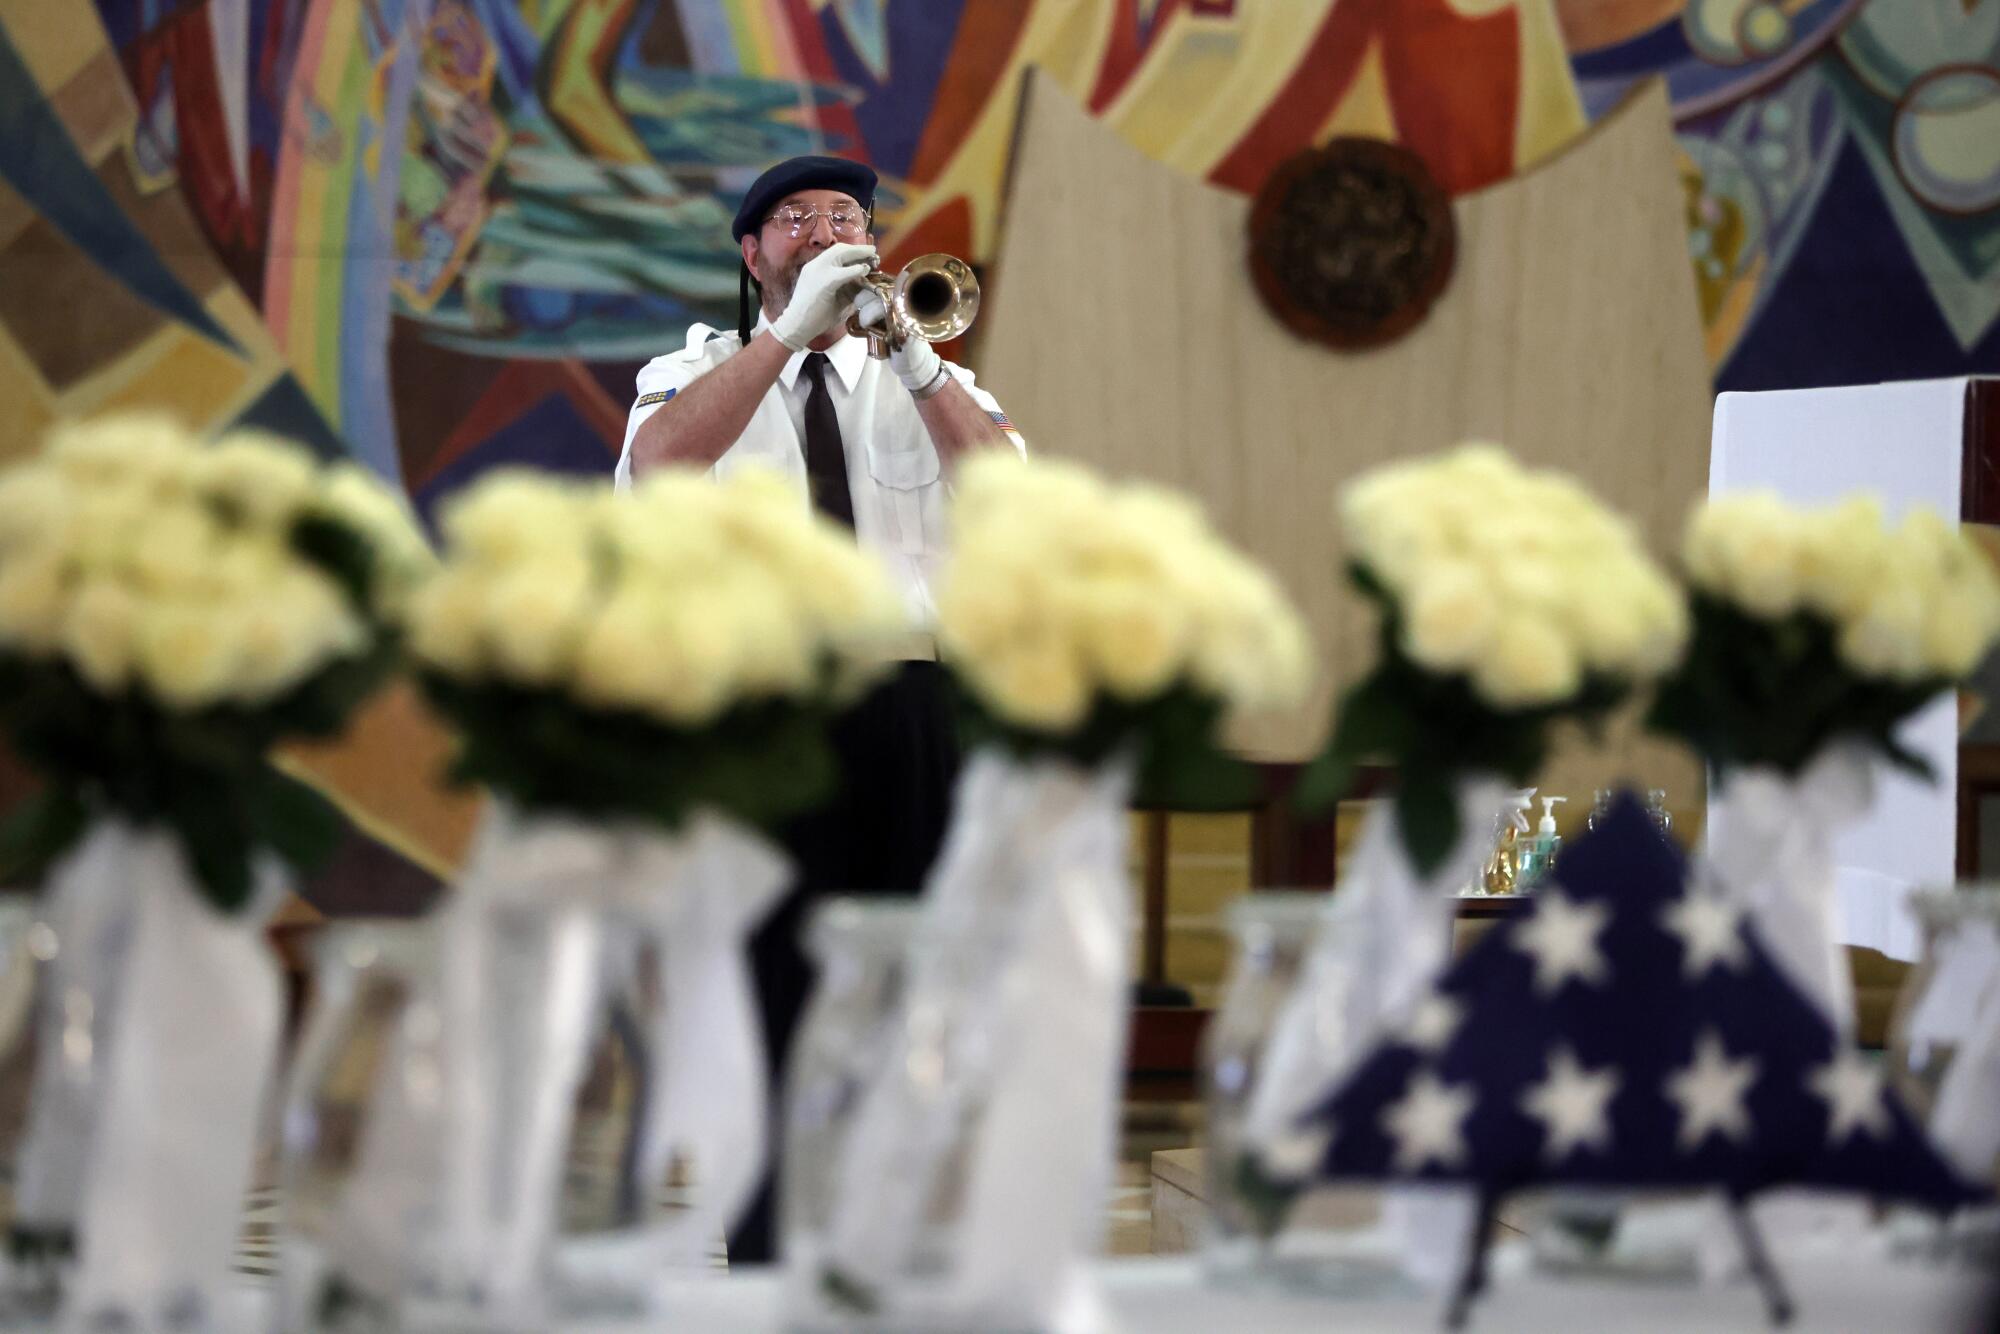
(1540, 854)
(1503, 867)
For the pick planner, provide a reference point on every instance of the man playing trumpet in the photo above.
(873, 444)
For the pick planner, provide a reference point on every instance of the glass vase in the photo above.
(1944, 1062)
(1267, 1224)
(861, 948)
(970, 1191)
(154, 1027)
(542, 1106)
(363, 1128)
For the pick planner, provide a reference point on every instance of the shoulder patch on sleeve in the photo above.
(657, 396)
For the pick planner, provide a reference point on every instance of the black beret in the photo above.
(802, 173)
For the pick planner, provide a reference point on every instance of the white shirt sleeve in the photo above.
(988, 402)
(659, 380)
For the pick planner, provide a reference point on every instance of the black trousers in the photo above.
(898, 754)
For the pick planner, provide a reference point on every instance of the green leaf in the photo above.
(342, 553)
(1265, 1198)
(39, 830)
(1323, 784)
(294, 821)
(1427, 809)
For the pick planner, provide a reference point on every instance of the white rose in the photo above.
(35, 506)
(692, 681)
(1841, 558)
(97, 633)
(512, 515)
(447, 623)
(34, 596)
(1449, 616)
(1135, 643)
(123, 449)
(1035, 682)
(174, 554)
(261, 476)
(1886, 640)
(286, 634)
(535, 614)
(185, 654)
(1747, 549)
(399, 554)
(618, 662)
(1955, 640)
(983, 605)
(107, 527)
(1528, 666)
(775, 652)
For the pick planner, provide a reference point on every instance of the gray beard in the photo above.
(778, 290)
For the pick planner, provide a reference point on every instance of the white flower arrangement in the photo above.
(1509, 599)
(1519, 580)
(1081, 617)
(643, 653)
(169, 610)
(1851, 624)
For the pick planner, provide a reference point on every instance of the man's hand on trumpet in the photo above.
(914, 360)
(823, 293)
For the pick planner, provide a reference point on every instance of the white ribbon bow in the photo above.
(1770, 844)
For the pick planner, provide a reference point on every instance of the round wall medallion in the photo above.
(1350, 243)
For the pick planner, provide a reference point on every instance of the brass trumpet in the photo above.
(935, 298)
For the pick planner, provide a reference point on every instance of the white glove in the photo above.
(823, 294)
(916, 362)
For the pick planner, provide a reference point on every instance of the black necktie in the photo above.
(826, 461)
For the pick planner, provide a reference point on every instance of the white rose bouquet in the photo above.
(1100, 636)
(1817, 624)
(1817, 634)
(646, 682)
(640, 656)
(1509, 599)
(169, 612)
(1084, 620)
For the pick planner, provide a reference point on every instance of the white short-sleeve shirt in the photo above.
(892, 466)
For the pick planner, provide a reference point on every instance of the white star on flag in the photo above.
(1571, 1103)
(1433, 1023)
(1853, 1092)
(1710, 1093)
(1561, 937)
(1428, 1123)
(1709, 927)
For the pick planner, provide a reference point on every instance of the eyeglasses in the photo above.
(848, 222)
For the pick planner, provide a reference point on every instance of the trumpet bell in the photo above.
(935, 298)
(938, 296)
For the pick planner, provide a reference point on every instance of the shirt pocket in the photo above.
(910, 491)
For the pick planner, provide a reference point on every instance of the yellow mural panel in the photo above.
(975, 170)
(56, 38)
(1551, 113)
(1175, 89)
(1273, 37)
(29, 411)
(180, 372)
(1365, 110)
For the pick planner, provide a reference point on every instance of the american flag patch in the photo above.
(659, 396)
(1000, 420)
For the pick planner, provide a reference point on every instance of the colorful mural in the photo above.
(441, 234)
